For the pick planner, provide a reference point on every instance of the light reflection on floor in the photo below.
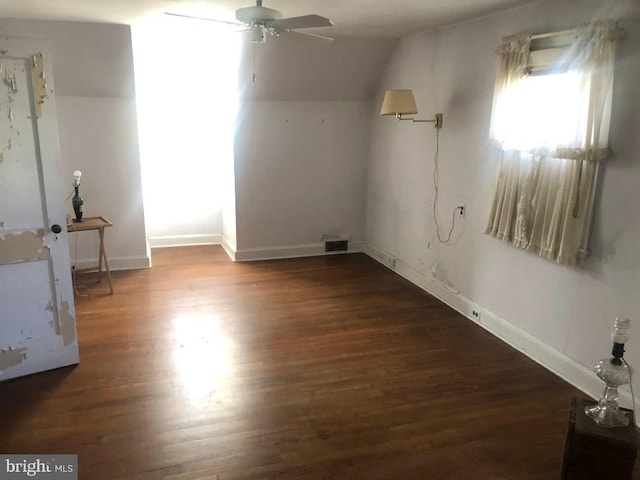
(203, 355)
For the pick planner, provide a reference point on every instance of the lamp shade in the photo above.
(398, 102)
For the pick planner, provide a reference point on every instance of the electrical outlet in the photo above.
(476, 314)
(461, 210)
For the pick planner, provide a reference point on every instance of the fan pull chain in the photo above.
(253, 62)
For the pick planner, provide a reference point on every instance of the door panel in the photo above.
(23, 318)
(37, 320)
(18, 144)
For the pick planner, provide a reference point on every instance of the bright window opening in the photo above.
(542, 111)
(187, 95)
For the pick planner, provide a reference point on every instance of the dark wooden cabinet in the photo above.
(593, 452)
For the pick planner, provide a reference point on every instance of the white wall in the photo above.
(300, 174)
(302, 143)
(98, 137)
(562, 314)
(95, 99)
(229, 237)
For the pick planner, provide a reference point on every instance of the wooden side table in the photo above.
(99, 224)
(593, 452)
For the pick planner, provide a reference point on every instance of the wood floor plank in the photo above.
(317, 368)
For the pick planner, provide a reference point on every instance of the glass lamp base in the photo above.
(607, 414)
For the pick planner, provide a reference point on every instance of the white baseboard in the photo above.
(251, 254)
(569, 370)
(292, 251)
(230, 249)
(118, 263)
(185, 240)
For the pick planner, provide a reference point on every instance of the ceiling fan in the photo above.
(260, 21)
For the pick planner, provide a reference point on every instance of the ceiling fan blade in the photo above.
(204, 18)
(308, 36)
(306, 21)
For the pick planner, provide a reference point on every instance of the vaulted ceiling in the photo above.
(352, 18)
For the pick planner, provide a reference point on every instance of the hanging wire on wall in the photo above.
(436, 178)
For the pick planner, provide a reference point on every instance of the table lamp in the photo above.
(77, 201)
(614, 372)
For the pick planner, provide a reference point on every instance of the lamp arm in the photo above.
(437, 119)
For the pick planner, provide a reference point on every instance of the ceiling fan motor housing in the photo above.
(257, 16)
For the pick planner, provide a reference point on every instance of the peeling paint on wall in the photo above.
(8, 81)
(39, 82)
(67, 324)
(12, 357)
(22, 247)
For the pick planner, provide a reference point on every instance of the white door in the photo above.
(37, 314)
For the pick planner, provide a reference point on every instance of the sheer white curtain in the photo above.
(551, 120)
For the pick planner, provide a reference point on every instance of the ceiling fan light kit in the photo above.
(257, 35)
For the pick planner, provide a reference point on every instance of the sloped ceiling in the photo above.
(288, 69)
(355, 18)
(366, 32)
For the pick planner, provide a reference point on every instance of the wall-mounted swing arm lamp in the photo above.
(401, 102)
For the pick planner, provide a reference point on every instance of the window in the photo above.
(550, 119)
(551, 111)
(186, 90)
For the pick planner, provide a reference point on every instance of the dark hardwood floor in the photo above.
(317, 368)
